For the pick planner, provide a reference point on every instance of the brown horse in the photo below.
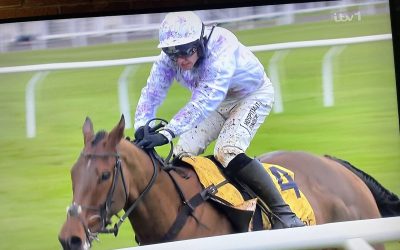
(112, 174)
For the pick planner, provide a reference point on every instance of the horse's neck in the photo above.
(158, 210)
(155, 215)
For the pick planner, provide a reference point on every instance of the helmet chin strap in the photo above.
(201, 41)
(203, 44)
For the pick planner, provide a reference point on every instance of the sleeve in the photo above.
(153, 94)
(212, 88)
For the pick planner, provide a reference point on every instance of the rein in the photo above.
(186, 210)
(115, 229)
(75, 209)
(188, 206)
(137, 201)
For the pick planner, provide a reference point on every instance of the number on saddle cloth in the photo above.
(289, 184)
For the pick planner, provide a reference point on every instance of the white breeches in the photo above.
(233, 125)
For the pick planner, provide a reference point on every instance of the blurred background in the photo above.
(64, 33)
(42, 109)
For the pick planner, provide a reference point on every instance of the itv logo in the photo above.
(345, 17)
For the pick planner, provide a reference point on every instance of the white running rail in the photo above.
(350, 235)
(123, 62)
(150, 59)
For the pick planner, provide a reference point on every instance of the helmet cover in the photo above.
(179, 28)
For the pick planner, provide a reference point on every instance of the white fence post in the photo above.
(123, 94)
(276, 58)
(30, 103)
(357, 244)
(328, 76)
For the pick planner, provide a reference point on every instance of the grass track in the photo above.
(35, 186)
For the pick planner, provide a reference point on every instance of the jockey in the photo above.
(231, 97)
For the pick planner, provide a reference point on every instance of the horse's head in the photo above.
(99, 189)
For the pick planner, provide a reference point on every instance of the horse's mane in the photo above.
(98, 137)
(388, 202)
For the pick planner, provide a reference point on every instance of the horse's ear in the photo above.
(87, 130)
(118, 132)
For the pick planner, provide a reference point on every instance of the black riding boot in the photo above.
(252, 173)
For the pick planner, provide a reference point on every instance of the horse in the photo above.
(113, 174)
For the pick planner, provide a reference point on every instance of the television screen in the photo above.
(331, 64)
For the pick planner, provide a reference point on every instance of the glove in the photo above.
(153, 140)
(139, 133)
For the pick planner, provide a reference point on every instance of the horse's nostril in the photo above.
(75, 242)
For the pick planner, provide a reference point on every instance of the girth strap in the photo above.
(188, 208)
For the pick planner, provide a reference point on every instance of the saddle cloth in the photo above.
(209, 174)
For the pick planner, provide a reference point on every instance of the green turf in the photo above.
(35, 185)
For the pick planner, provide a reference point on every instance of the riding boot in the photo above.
(252, 173)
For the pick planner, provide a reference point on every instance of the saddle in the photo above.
(242, 209)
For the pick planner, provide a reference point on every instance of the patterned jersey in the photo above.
(229, 71)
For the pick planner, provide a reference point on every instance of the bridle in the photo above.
(104, 210)
(187, 209)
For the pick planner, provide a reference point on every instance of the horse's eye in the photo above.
(105, 176)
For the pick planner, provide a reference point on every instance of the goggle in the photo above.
(185, 50)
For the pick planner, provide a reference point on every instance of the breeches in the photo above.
(233, 126)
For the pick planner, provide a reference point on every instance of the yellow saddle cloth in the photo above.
(283, 178)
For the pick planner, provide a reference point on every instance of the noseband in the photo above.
(186, 210)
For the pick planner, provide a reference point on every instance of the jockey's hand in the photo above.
(153, 140)
(139, 133)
